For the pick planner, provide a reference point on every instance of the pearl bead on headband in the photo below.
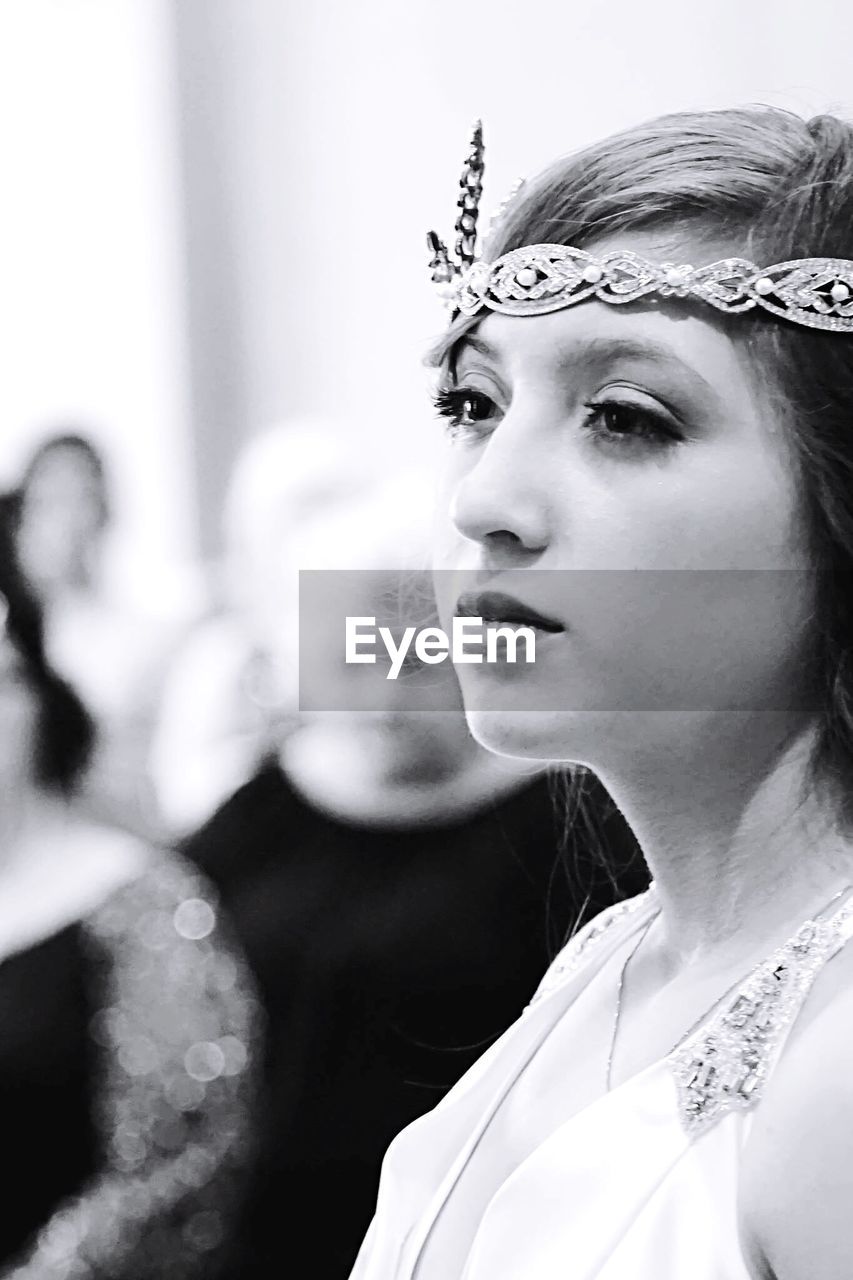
(535, 279)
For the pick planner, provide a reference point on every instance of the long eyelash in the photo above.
(447, 401)
(661, 426)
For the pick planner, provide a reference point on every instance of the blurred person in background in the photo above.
(218, 718)
(63, 515)
(398, 893)
(127, 1019)
(110, 645)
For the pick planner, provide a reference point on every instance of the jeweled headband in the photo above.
(538, 278)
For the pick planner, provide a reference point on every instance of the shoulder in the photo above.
(797, 1183)
(115, 856)
(64, 878)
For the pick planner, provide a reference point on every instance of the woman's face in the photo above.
(605, 448)
(62, 516)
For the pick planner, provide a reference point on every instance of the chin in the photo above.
(528, 735)
(584, 738)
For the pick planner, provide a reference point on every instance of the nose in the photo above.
(502, 501)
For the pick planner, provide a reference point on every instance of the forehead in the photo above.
(63, 464)
(593, 336)
(673, 333)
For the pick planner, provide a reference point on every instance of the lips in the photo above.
(497, 606)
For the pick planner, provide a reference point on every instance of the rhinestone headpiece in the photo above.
(538, 278)
(444, 269)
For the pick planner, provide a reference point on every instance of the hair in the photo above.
(65, 732)
(770, 186)
(69, 442)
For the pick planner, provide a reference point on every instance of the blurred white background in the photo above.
(214, 210)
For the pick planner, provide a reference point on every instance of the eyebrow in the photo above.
(472, 342)
(595, 351)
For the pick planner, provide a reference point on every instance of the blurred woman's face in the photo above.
(626, 455)
(62, 516)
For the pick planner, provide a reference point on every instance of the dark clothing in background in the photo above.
(388, 961)
(46, 1083)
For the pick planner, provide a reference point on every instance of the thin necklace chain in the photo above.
(608, 1074)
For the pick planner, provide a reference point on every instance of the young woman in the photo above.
(111, 645)
(663, 490)
(127, 1022)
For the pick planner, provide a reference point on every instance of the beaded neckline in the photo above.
(723, 1062)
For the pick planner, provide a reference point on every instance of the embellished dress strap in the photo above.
(588, 941)
(724, 1065)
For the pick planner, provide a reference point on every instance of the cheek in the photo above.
(709, 640)
(454, 562)
(710, 508)
(447, 539)
(524, 735)
(742, 513)
(448, 585)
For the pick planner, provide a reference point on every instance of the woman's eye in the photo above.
(465, 410)
(620, 422)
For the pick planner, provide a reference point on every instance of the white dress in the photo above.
(641, 1184)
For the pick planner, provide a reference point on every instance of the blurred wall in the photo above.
(91, 264)
(329, 134)
(218, 208)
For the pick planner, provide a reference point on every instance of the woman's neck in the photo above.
(738, 847)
